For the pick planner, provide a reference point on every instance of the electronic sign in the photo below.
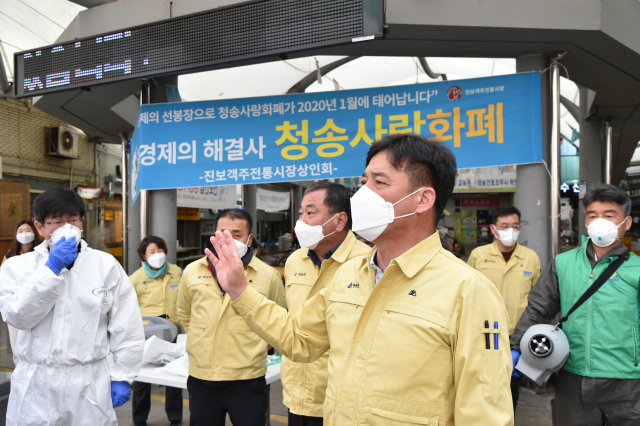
(197, 42)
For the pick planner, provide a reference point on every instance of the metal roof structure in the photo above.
(459, 39)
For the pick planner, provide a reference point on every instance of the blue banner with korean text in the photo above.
(491, 121)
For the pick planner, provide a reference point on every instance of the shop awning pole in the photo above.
(608, 158)
(124, 168)
(144, 200)
(555, 158)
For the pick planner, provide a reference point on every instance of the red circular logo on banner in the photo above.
(454, 93)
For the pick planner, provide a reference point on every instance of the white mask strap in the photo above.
(330, 221)
(334, 231)
(625, 219)
(410, 214)
(409, 196)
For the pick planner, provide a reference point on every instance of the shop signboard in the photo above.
(469, 225)
(272, 201)
(491, 121)
(208, 197)
(187, 213)
(89, 192)
(486, 179)
(481, 203)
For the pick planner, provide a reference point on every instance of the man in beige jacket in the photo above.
(325, 215)
(406, 326)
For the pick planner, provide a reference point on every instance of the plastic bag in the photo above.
(154, 347)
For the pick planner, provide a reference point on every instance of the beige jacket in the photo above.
(412, 351)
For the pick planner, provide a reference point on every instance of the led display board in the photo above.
(197, 42)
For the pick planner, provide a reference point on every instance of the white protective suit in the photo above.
(67, 325)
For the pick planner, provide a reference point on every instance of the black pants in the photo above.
(296, 420)
(587, 401)
(244, 400)
(515, 390)
(141, 402)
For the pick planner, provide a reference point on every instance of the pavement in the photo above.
(533, 410)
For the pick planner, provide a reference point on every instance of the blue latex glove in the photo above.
(120, 393)
(515, 356)
(62, 254)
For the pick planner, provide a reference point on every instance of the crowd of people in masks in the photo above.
(378, 321)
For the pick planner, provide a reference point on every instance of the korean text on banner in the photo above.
(493, 121)
(271, 200)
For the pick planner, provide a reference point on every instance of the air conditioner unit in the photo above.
(61, 142)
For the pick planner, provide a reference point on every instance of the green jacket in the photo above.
(603, 333)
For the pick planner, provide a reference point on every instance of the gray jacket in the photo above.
(544, 298)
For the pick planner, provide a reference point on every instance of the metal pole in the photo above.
(607, 161)
(125, 203)
(144, 214)
(293, 221)
(144, 201)
(555, 159)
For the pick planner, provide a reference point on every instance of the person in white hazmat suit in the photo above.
(72, 306)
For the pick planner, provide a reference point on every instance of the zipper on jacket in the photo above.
(591, 276)
(635, 346)
(588, 343)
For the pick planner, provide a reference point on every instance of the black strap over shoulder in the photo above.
(599, 282)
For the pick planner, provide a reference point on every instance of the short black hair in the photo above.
(234, 214)
(336, 197)
(606, 193)
(505, 211)
(426, 161)
(144, 244)
(57, 202)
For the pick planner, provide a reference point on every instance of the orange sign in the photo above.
(186, 213)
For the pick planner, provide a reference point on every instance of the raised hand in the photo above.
(229, 268)
(62, 254)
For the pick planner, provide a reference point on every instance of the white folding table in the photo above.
(149, 374)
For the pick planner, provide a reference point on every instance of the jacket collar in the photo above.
(618, 250)
(42, 249)
(343, 251)
(414, 259)
(517, 252)
(344, 248)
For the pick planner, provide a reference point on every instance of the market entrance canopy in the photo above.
(491, 121)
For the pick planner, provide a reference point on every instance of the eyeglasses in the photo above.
(505, 227)
(59, 223)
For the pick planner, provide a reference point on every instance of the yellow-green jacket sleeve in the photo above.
(276, 292)
(472, 259)
(183, 304)
(301, 339)
(481, 376)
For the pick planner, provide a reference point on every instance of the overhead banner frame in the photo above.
(492, 121)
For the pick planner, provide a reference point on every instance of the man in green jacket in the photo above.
(600, 382)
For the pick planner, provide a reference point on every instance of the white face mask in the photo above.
(508, 237)
(157, 260)
(310, 236)
(67, 231)
(242, 247)
(371, 214)
(603, 232)
(25, 237)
